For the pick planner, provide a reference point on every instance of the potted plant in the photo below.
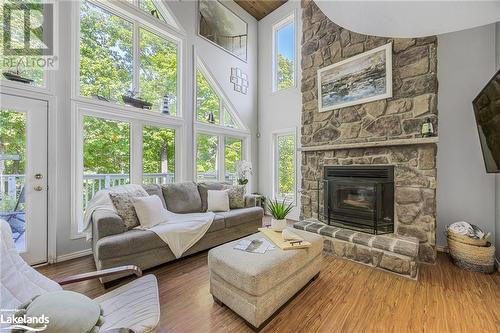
(279, 211)
(243, 171)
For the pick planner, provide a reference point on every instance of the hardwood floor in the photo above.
(346, 297)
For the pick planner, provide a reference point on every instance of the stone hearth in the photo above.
(384, 132)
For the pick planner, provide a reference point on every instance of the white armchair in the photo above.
(134, 306)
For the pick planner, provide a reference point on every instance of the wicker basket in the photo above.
(467, 240)
(472, 257)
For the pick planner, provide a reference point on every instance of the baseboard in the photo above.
(74, 255)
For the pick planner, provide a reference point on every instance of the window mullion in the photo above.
(221, 158)
(136, 59)
(135, 152)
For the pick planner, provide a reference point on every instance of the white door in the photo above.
(23, 174)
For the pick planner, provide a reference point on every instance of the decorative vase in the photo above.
(278, 225)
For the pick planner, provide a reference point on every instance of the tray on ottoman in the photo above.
(256, 285)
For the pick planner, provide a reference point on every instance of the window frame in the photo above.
(275, 158)
(79, 111)
(223, 101)
(139, 19)
(291, 18)
(221, 166)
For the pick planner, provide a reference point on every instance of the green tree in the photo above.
(286, 160)
(285, 77)
(13, 140)
(158, 153)
(206, 153)
(232, 153)
(206, 99)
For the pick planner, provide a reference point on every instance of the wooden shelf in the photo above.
(387, 143)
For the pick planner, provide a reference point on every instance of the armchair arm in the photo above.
(98, 274)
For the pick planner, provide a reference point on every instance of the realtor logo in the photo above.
(28, 35)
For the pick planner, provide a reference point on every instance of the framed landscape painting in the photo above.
(363, 78)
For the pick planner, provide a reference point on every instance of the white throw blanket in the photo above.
(467, 229)
(181, 231)
(102, 201)
(178, 231)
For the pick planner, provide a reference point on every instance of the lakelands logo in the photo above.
(29, 35)
(12, 321)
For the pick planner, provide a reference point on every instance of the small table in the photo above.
(256, 286)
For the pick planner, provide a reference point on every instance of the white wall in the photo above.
(466, 61)
(218, 62)
(277, 110)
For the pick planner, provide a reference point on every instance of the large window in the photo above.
(233, 152)
(211, 107)
(106, 155)
(206, 157)
(284, 163)
(158, 155)
(284, 54)
(119, 56)
(216, 155)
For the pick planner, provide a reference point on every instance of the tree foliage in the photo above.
(285, 75)
(13, 140)
(206, 99)
(286, 166)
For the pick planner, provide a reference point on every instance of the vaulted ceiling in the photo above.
(259, 8)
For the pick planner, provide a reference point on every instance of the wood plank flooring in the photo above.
(346, 297)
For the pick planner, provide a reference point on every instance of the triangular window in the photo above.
(157, 9)
(211, 105)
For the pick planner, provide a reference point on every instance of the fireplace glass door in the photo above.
(355, 196)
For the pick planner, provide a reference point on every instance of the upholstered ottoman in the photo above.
(256, 285)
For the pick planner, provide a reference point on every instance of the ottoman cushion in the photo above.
(256, 273)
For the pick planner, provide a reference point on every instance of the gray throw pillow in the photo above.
(155, 189)
(236, 195)
(124, 205)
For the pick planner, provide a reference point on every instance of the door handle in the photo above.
(38, 188)
(38, 176)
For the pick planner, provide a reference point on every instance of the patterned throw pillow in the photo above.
(124, 205)
(236, 195)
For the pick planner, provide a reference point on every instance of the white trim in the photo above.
(290, 18)
(73, 255)
(497, 264)
(388, 70)
(442, 248)
(275, 157)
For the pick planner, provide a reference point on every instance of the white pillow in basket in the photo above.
(218, 201)
(150, 211)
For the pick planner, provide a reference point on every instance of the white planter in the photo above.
(278, 225)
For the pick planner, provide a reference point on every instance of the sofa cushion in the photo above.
(218, 224)
(182, 197)
(203, 189)
(243, 215)
(124, 205)
(131, 242)
(155, 189)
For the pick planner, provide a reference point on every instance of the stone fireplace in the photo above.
(381, 133)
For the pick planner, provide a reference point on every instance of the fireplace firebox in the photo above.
(359, 198)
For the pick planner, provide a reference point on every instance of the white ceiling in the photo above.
(410, 18)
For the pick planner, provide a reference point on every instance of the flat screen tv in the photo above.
(487, 111)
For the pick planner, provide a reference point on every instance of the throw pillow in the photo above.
(124, 205)
(150, 211)
(204, 187)
(218, 201)
(236, 195)
(67, 311)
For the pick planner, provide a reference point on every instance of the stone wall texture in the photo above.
(414, 99)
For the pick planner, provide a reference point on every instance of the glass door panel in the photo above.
(23, 174)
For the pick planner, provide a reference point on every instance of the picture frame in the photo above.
(217, 23)
(363, 78)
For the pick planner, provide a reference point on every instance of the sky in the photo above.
(285, 41)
